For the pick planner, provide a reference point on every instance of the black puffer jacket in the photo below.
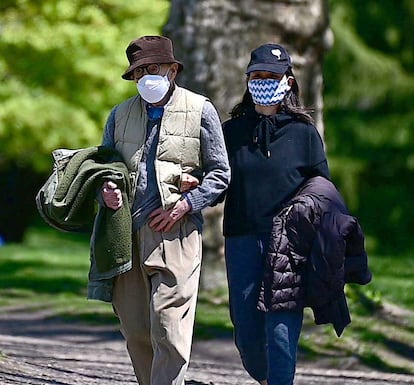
(316, 247)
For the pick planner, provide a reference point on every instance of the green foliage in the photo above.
(365, 68)
(60, 65)
(369, 86)
(61, 61)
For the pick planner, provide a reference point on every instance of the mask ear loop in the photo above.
(283, 86)
(166, 75)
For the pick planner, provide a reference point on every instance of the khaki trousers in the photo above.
(155, 302)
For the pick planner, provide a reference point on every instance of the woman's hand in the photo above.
(188, 182)
(112, 195)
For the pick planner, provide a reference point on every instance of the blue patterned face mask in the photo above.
(268, 92)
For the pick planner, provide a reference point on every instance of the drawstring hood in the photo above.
(261, 134)
(265, 130)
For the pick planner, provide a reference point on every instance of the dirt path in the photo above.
(38, 350)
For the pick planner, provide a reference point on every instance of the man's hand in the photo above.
(112, 195)
(164, 220)
(188, 182)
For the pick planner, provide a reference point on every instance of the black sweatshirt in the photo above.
(270, 158)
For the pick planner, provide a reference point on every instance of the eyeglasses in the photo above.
(152, 69)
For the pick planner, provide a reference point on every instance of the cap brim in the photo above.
(269, 67)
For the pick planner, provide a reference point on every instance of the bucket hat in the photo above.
(149, 50)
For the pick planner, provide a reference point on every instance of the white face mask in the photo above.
(153, 88)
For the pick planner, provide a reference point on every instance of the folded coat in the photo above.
(67, 201)
(316, 247)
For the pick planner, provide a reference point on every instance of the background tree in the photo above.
(61, 60)
(369, 88)
(60, 68)
(60, 64)
(214, 39)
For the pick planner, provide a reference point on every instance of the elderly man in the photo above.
(171, 140)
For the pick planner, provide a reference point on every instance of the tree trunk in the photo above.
(214, 38)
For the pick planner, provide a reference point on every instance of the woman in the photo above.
(273, 150)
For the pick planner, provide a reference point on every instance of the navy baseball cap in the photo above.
(269, 57)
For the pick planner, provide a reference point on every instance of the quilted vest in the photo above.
(178, 148)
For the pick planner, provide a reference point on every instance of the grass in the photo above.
(393, 278)
(49, 271)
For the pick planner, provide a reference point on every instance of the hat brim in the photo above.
(128, 74)
(269, 67)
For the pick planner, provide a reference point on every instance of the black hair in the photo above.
(290, 104)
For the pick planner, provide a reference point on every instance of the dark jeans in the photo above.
(267, 342)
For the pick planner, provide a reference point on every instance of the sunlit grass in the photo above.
(212, 315)
(49, 272)
(394, 278)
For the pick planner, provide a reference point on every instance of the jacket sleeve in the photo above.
(356, 259)
(216, 169)
(301, 223)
